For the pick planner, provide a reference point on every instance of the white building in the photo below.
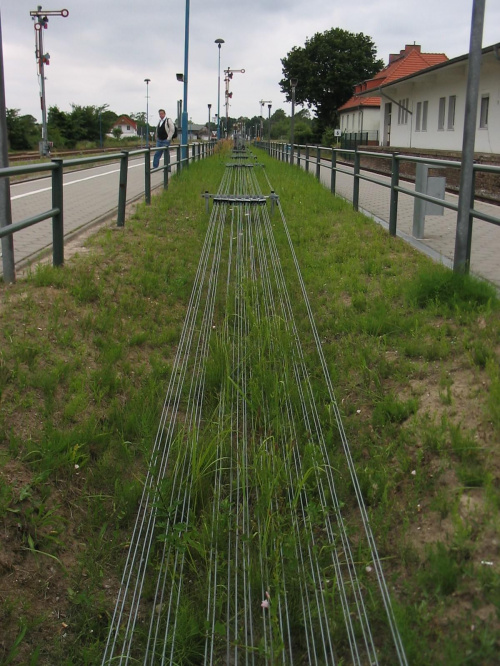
(361, 113)
(426, 109)
(127, 126)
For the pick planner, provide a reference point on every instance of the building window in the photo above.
(403, 111)
(441, 112)
(483, 113)
(452, 102)
(418, 117)
(425, 108)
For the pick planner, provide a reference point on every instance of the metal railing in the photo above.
(303, 154)
(184, 155)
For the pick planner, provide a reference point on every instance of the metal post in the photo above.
(219, 42)
(147, 111)
(269, 122)
(58, 219)
(393, 213)
(185, 104)
(461, 261)
(318, 163)
(166, 167)
(209, 132)
(147, 177)
(9, 271)
(298, 155)
(41, 20)
(122, 190)
(307, 158)
(333, 175)
(293, 83)
(355, 185)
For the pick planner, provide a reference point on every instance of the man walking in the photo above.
(164, 132)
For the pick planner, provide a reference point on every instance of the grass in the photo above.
(86, 353)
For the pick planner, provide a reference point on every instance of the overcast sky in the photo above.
(102, 52)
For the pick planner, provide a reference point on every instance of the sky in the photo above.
(105, 49)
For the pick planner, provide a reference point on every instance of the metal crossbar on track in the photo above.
(241, 552)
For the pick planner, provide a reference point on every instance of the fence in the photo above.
(184, 155)
(319, 157)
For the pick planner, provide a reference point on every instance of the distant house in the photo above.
(426, 109)
(362, 112)
(127, 126)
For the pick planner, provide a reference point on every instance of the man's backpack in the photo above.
(174, 135)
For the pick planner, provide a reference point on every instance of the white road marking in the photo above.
(72, 182)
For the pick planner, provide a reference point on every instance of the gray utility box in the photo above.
(434, 186)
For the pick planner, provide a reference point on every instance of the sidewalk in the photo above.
(439, 240)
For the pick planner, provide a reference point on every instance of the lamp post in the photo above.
(219, 42)
(209, 132)
(269, 121)
(262, 103)
(146, 81)
(184, 123)
(293, 83)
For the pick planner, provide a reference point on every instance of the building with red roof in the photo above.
(361, 113)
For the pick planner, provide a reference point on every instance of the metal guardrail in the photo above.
(282, 151)
(184, 155)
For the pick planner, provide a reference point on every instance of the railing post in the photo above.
(122, 189)
(307, 158)
(466, 267)
(318, 163)
(178, 158)
(355, 185)
(393, 211)
(166, 167)
(147, 177)
(298, 155)
(58, 218)
(193, 154)
(333, 175)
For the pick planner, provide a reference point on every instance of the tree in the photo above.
(84, 123)
(23, 133)
(327, 67)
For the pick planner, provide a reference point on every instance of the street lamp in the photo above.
(269, 121)
(293, 83)
(262, 103)
(219, 42)
(146, 81)
(184, 123)
(209, 132)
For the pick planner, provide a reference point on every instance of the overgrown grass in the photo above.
(85, 356)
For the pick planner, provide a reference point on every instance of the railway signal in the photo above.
(41, 19)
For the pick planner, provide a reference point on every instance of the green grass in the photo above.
(86, 353)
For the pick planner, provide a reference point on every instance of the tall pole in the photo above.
(219, 42)
(41, 20)
(269, 122)
(185, 104)
(9, 271)
(293, 83)
(147, 111)
(209, 132)
(466, 193)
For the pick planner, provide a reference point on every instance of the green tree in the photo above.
(327, 67)
(84, 123)
(23, 133)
